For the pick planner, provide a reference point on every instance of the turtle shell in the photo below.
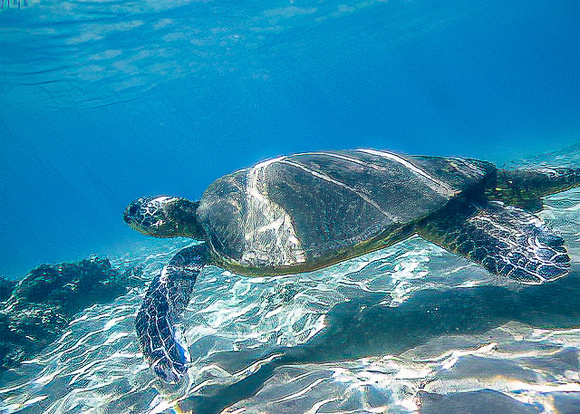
(305, 211)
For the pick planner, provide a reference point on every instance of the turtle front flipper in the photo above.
(505, 240)
(165, 301)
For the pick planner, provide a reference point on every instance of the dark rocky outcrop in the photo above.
(6, 288)
(42, 304)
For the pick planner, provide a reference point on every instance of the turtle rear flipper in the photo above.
(505, 240)
(525, 187)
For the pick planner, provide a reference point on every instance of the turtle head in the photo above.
(164, 216)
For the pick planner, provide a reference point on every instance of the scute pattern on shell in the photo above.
(305, 211)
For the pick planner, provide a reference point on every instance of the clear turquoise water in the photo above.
(105, 101)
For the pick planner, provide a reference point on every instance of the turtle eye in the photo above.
(133, 209)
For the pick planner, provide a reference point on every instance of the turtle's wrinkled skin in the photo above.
(306, 211)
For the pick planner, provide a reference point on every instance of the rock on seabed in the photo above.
(45, 301)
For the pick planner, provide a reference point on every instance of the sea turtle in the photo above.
(302, 212)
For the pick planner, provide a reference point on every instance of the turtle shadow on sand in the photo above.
(366, 328)
(357, 330)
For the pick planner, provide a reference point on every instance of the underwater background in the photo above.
(104, 101)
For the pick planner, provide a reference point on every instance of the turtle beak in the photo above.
(131, 211)
(135, 215)
(126, 216)
(129, 215)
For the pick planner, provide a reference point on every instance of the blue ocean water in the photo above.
(105, 101)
